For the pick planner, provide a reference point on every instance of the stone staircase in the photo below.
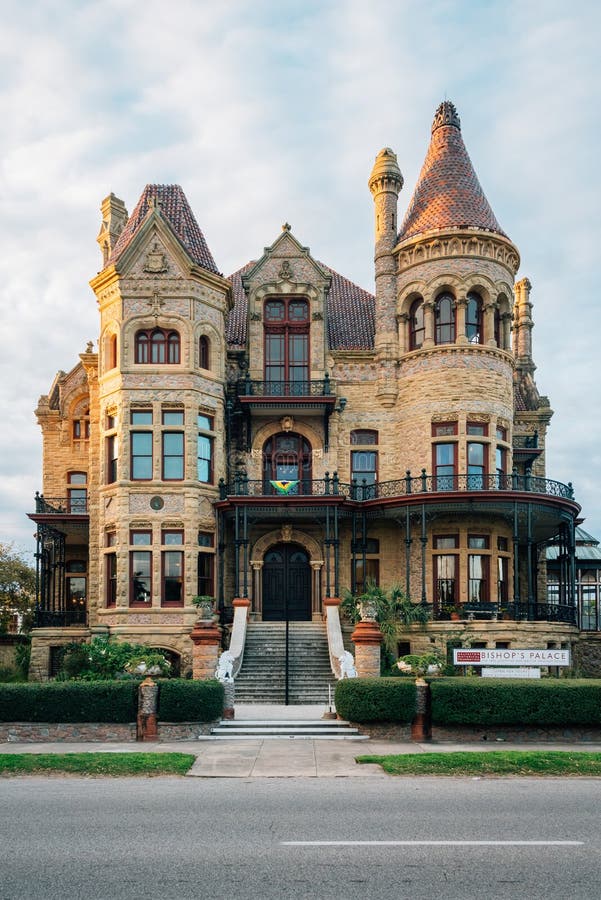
(272, 729)
(262, 676)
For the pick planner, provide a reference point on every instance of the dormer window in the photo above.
(287, 346)
(157, 345)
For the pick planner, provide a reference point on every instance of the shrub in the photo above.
(487, 702)
(69, 701)
(376, 699)
(181, 700)
(106, 660)
(9, 674)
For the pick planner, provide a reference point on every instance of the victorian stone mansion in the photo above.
(276, 437)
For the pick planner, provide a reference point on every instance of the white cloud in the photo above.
(270, 111)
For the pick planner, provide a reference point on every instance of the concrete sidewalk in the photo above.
(286, 758)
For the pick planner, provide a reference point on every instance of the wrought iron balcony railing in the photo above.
(423, 484)
(323, 387)
(538, 612)
(74, 506)
(47, 618)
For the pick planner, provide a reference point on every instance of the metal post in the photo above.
(245, 552)
(287, 664)
(530, 562)
(336, 555)
(516, 572)
(407, 553)
(424, 540)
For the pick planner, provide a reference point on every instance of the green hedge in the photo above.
(182, 700)
(69, 701)
(376, 699)
(486, 701)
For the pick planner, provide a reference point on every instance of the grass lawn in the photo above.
(509, 762)
(125, 764)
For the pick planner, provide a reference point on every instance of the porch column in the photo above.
(316, 567)
(257, 581)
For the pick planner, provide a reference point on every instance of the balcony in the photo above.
(537, 612)
(47, 618)
(408, 486)
(322, 390)
(60, 506)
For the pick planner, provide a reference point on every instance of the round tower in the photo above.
(385, 183)
(456, 268)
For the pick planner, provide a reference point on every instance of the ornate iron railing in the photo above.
(323, 387)
(47, 618)
(423, 484)
(537, 612)
(61, 505)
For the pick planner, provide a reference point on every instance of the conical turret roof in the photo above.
(173, 206)
(448, 193)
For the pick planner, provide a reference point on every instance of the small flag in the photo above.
(283, 487)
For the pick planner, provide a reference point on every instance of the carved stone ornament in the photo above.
(317, 317)
(255, 317)
(287, 423)
(286, 273)
(156, 261)
(286, 533)
(156, 304)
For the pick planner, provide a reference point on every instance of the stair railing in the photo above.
(335, 641)
(238, 637)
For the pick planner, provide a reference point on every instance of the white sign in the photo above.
(507, 657)
(492, 672)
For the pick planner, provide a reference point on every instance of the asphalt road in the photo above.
(174, 839)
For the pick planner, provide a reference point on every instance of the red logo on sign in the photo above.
(468, 656)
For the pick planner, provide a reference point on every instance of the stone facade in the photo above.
(284, 432)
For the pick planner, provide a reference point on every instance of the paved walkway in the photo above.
(286, 757)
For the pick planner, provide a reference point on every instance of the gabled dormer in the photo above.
(287, 314)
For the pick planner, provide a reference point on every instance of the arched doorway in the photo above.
(287, 458)
(286, 584)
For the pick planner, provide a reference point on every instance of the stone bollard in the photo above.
(228, 699)
(206, 637)
(421, 727)
(148, 694)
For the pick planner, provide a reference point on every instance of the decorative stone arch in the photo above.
(208, 330)
(284, 289)
(482, 285)
(286, 534)
(442, 283)
(109, 346)
(410, 293)
(272, 428)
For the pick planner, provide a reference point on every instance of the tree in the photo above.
(17, 589)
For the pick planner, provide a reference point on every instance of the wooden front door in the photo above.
(286, 584)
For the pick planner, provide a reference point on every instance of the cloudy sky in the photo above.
(268, 111)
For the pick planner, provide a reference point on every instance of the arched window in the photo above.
(112, 352)
(157, 346)
(444, 316)
(204, 353)
(417, 330)
(287, 459)
(473, 318)
(77, 492)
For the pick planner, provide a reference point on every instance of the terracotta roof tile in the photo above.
(448, 193)
(175, 209)
(350, 313)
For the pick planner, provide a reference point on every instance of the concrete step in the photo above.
(266, 729)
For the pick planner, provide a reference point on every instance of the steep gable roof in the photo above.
(448, 193)
(171, 203)
(350, 312)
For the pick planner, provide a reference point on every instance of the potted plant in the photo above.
(205, 605)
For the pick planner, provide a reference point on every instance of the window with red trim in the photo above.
(157, 345)
(286, 330)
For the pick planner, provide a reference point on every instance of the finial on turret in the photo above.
(446, 114)
(385, 172)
